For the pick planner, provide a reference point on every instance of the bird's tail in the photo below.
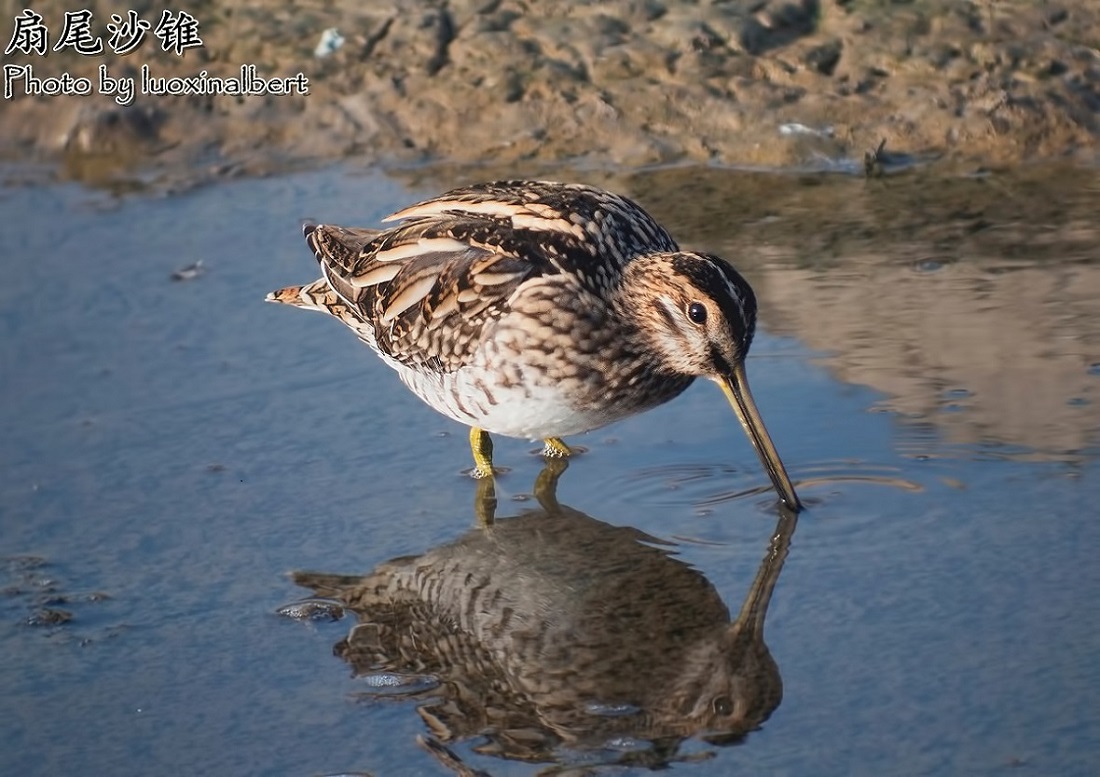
(312, 296)
(320, 296)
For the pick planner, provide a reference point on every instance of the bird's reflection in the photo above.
(553, 631)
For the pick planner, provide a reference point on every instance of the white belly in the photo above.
(530, 410)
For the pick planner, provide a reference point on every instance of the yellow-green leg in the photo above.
(556, 449)
(482, 446)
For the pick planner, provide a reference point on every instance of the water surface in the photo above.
(173, 450)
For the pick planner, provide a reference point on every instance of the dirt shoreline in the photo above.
(617, 84)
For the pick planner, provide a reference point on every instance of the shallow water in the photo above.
(172, 450)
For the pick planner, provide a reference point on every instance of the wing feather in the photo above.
(427, 295)
(431, 285)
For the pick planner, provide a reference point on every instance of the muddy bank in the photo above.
(622, 83)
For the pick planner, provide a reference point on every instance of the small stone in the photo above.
(312, 610)
(824, 58)
(48, 616)
(190, 272)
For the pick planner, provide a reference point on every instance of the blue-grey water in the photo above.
(172, 450)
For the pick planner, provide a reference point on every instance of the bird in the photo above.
(540, 310)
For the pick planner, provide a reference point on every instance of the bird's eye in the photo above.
(722, 706)
(697, 312)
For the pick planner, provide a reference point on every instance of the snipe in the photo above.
(539, 310)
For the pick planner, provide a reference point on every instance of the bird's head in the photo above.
(698, 315)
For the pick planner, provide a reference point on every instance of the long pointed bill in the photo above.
(736, 387)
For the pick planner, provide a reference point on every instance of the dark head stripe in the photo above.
(725, 286)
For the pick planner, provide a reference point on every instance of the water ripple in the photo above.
(705, 486)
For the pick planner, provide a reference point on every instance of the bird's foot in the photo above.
(555, 448)
(481, 445)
